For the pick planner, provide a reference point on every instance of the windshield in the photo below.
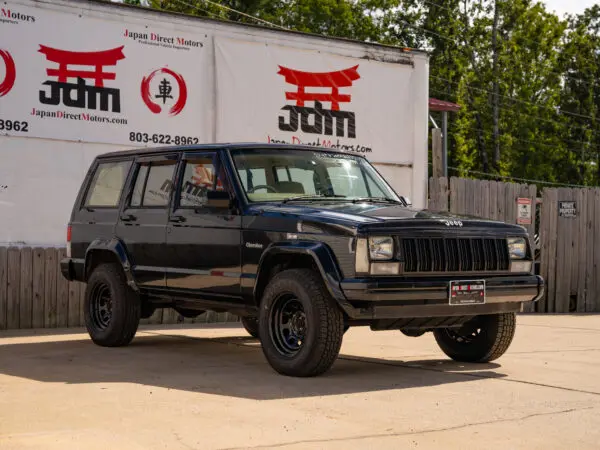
(281, 174)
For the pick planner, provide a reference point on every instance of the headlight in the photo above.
(381, 248)
(517, 247)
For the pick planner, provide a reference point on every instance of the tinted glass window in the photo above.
(348, 179)
(159, 185)
(138, 188)
(292, 177)
(292, 174)
(153, 185)
(107, 183)
(198, 178)
(252, 177)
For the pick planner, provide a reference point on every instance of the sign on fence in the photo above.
(567, 209)
(524, 211)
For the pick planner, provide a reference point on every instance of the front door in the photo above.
(142, 223)
(203, 242)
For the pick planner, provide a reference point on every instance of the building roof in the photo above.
(442, 105)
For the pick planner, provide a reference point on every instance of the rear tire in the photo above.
(112, 309)
(251, 325)
(300, 326)
(484, 340)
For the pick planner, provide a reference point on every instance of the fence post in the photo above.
(436, 153)
(438, 194)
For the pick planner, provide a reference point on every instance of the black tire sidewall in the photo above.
(125, 310)
(299, 364)
(486, 347)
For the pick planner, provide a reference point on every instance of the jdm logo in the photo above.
(161, 92)
(10, 73)
(80, 94)
(317, 119)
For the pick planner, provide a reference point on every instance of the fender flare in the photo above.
(324, 260)
(117, 248)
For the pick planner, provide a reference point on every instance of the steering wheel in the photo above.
(261, 186)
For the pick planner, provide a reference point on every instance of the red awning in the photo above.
(441, 105)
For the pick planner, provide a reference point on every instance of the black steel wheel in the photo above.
(288, 324)
(250, 323)
(300, 326)
(112, 310)
(100, 305)
(483, 339)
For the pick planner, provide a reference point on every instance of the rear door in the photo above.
(203, 242)
(142, 224)
(98, 210)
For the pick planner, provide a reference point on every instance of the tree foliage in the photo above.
(528, 82)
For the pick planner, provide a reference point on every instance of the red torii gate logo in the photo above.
(86, 96)
(323, 119)
(10, 74)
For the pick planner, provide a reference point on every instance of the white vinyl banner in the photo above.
(74, 78)
(273, 93)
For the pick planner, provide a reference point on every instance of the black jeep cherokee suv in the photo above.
(301, 242)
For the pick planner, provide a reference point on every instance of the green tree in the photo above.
(580, 99)
(528, 83)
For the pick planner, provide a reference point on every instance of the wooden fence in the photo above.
(567, 256)
(481, 198)
(570, 261)
(34, 294)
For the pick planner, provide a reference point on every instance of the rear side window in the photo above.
(107, 184)
(153, 185)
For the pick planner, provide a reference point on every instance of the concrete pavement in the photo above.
(211, 388)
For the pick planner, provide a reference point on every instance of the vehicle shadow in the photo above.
(232, 366)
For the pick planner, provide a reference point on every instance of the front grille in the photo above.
(454, 254)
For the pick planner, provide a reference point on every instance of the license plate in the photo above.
(467, 292)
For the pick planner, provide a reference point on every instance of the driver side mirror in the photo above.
(218, 199)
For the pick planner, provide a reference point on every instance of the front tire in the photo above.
(112, 309)
(300, 326)
(483, 340)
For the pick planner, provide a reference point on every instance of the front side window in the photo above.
(295, 174)
(199, 177)
(153, 185)
(107, 184)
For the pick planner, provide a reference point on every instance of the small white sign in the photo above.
(524, 211)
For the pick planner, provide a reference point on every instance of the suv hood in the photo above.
(377, 216)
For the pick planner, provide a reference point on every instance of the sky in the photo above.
(561, 7)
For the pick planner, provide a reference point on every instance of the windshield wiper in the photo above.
(312, 197)
(377, 199)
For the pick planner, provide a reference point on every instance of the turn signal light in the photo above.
(520, 266)
(69, 241)
(378, 268)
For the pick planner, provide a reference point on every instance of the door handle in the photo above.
(177, 219)
(128, 217)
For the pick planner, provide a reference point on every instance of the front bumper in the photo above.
(429, 297)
